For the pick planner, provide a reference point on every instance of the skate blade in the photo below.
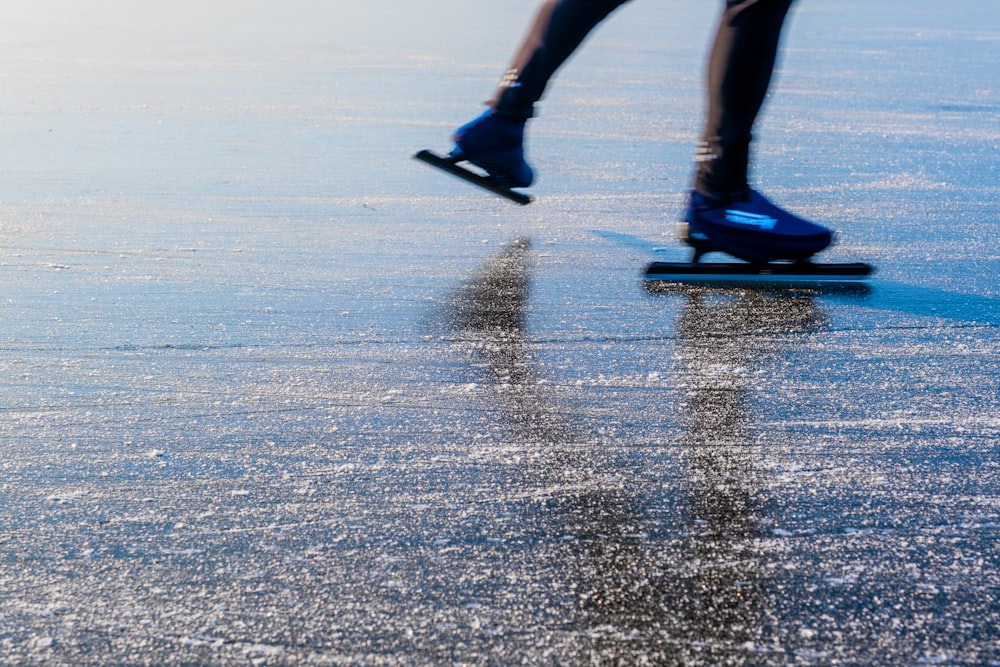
(787, 275)
(453, 167)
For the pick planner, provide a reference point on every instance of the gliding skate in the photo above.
(776, 246)
(495, 145)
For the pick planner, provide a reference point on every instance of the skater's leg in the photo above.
(495, 140)
(531, 42)
(569, 22)
(739, 73)
(723, 207)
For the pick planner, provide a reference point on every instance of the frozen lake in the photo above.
(275, 393)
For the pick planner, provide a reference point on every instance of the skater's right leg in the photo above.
(495, 140)
(722, 205)
(740, 67)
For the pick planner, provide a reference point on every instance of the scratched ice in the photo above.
(275, 393)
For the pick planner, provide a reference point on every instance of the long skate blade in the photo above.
(777, 274)
(453, 168)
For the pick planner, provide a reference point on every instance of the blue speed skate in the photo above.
(495, 145)
(752, 229)
(775, 246)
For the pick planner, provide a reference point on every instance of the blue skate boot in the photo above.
(495, 143)
(751, 228)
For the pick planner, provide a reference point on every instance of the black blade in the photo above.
(453, 168)
(742, 273)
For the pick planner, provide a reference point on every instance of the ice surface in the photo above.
(274, 393)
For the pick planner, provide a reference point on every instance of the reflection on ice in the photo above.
(726, 599)
(699, 585)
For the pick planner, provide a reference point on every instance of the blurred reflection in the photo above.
(489, 315)
(585, 509)
(723, 341)
(616, 581)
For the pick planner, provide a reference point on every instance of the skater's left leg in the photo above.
(495, 140)
(569, 23)
(531, 42)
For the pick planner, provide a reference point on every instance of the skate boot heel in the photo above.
(700, 243)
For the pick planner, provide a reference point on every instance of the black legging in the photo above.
(739, 72)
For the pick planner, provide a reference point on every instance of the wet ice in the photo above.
(274, 393)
